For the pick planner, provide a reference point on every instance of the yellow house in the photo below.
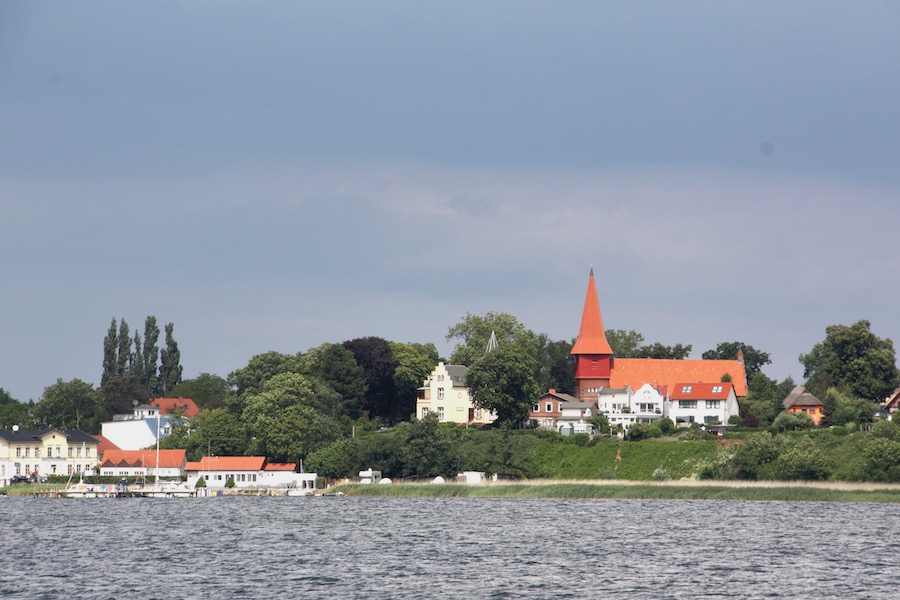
(801, 401)
(444, 393)
(45, 452)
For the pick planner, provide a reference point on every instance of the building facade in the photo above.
(445, 394)
(39, 453)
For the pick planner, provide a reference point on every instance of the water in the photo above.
(343, 547)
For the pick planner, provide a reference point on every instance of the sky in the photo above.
(274, 176)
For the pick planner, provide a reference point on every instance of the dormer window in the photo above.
(687, 389)
(717, 389)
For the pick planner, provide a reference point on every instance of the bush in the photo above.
(788, 421)
(661, 474)
(801, 459)
(230, 482)
(666, 426)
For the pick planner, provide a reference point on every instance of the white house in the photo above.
(624, 406)
(134, 432)
(45, 452)
(709, 403)
(575, 417)
(444, 393)
(247, 472)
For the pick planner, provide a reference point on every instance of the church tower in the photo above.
(593, 354)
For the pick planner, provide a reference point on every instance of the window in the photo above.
(440, 393)
(440, 413)
(717, 389)
(424, 411)
(549, 407)
(58, 452)
(594, 364)
(78, 452)
(712, 404)
(37, 452)
(27, 451)
(478, 413)
(87, 452)
(687, 404)
(70, 451)
(18, 452)
(440, 377)
(687, 389)
(535, 407)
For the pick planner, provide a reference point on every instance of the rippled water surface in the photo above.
(344, 547)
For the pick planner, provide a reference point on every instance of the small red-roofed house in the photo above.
(165, 464)
(175, 406)
(248, 472)
(709, 403)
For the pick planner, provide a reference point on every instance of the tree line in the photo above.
(289, 406)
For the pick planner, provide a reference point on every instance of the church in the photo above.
(596, 366)
(639, 390)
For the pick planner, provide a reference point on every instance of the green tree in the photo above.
(412, 368)
(426, 452)
(119, 395)
(336, 366)
(169, 363)
(474, 332)
(658, 350)
(556, 366)
(841, 408)
(764, 398)
(624, 344)
(149, 357)
(754, 359)
(630, 344)
(123, 356)
(110, 348)
(67, 405)
(374, 355)
(503, 381)
(854, 360)
(260, 368)
(12, 412)
(206, 390)
(283, 422)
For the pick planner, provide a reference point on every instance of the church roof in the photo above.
(591, 335)
(635, 372)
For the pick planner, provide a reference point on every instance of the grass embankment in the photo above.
(622, 460)
(793, 491)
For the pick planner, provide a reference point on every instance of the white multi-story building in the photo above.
(45, 452)
(708, 403)
(445, 393)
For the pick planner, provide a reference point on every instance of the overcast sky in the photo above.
(273, 176)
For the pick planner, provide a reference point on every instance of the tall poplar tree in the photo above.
(136, 363)
(150, 353)
(124, 343)
(169, 359)
(110, 346)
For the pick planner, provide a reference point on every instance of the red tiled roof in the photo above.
(591, 335)
(701, 391)
(168, 459)
(232, 463)
(167, 406)
(635, 372)
(192, 466)
(281, 467)
(104, 445)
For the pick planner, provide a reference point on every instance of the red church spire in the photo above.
(591, 336)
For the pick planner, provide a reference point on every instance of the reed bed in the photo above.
(688, 490)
